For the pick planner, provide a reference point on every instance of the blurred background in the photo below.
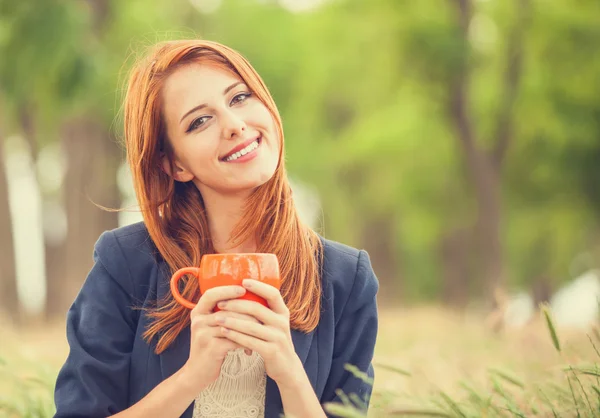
(457, 141)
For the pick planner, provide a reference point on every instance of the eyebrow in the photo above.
(194, 109)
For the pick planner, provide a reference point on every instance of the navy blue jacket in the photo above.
(111, 367)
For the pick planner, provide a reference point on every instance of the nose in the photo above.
(233, 125)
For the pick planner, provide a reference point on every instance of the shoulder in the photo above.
(348, 276)
(127, 251)
(133, 240)
(132, 236)
(340, 261)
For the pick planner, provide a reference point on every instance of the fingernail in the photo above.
(241, 291)
(247, 283)
(220, 320)
(222, 305)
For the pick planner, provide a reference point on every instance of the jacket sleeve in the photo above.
(101, 326)
(355, 336)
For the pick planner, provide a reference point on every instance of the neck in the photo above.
(224, 213)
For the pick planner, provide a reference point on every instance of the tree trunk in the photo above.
(9, 299)
(541, 290)
(54, 252)
(380, 242)
(55, 273)
(485, 178)
(488, 192)
(455, 248)
(93, 158)
(484, 167)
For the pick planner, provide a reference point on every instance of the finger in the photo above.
(197, 319)
(211, 297)
(246, 341)
(256, 310)
(228, 314)
(206, 333)
(269, 293)
(224, 343)
(259, 331)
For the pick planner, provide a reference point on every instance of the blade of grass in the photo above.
(356, 372)
(587, 370)
(343, 411)
(418, 413)
(507, 376)
(362, 405)
(584, 391)
(550, 324)
(510, 402)
(575, 403)
(345, 400)
(393, 369)
(593, 345)
(453, 405)
(548, 402)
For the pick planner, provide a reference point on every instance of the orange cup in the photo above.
(230, 269)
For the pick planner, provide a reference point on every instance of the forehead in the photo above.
(193, 84)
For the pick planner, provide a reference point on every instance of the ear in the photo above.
(179, 173)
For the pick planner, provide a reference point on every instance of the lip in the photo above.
(240, 147)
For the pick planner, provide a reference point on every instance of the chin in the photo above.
(256, 183)
(241, 183)
(246, 186)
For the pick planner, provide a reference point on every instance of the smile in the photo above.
(246, 151)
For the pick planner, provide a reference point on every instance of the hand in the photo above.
(271, 337)
(208, 346)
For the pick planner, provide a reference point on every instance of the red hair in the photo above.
(174, 212)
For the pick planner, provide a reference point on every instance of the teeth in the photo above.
(244, 151)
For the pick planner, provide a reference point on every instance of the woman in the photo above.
(205, 147)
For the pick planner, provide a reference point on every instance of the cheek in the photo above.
(261, 116)
(260, 113)
(199, 156)
(271, 125)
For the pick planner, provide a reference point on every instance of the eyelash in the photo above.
(194, 125)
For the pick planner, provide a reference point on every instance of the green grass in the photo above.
(26, 395)
(429, 363)
(565, 387)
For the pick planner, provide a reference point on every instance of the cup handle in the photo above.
(175, 289)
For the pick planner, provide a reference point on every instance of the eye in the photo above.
(196, 123)
(238, 98)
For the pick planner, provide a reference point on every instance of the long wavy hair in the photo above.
(174, 212)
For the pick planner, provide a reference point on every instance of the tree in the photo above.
(9, 300)
(484, 166)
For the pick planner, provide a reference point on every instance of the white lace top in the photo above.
(238, 392)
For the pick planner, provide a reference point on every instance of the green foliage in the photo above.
(29, 396)
(364, 91)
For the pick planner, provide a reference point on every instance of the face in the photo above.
(223, 137)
